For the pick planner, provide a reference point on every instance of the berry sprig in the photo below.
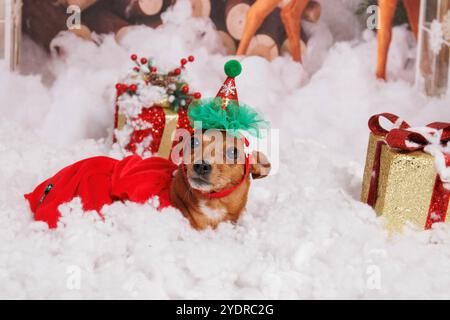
(178, 91)
(183, 62)
(182, 96)
(148, 63)
(121, 88)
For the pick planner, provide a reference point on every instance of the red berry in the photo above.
(136, 69)
(134, 57)
(133, 87)
(183, 61)
(191, 58)
(144, 60)
(153, 69)
(118, 86)
(197, 95)
(177, 71)
(185, 89)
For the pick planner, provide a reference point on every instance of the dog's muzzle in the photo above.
(202, 168)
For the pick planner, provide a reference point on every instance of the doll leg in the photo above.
(255, 17)
(291, 16)
(386, 15)
(413, 10)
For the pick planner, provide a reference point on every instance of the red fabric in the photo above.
(373, 186)
(398, 138)
(440, 198)
(376, 127)
(102, 180)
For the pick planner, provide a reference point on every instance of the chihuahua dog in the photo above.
(209, 186)
(213, 183)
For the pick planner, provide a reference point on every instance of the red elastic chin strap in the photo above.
(226, 192)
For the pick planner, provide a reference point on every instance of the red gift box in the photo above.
(150, 107)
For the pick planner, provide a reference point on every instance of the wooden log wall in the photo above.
(44, 19)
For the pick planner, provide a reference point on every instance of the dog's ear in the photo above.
(260, 166)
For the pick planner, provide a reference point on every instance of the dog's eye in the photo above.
(194, 142)
(232, 153)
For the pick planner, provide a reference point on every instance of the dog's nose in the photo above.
(202, 168)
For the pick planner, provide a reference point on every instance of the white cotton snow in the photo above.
(305, 234)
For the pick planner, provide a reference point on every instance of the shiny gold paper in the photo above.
(405, 185)
(121, 119)
(165, 146)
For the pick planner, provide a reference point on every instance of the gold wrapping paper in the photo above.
(121, 120)
(405, 186)
(165, 146)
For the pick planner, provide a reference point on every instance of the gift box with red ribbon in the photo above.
(150, 107)
(407, 173)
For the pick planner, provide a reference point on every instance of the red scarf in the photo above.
(99, 181)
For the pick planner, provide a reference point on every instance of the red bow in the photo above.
(398, 138)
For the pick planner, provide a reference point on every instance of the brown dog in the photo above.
(212, 186)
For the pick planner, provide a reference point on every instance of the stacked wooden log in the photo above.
(44, 19)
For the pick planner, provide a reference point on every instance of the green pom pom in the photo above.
(236, 117)
(233, 68)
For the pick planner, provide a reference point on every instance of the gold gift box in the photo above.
(405, 185)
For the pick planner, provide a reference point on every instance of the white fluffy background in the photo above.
(305, 234)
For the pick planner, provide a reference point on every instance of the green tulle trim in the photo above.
(235, 118)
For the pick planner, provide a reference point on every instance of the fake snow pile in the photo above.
(304, 235)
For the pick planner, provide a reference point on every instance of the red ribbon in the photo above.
(403, 139)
